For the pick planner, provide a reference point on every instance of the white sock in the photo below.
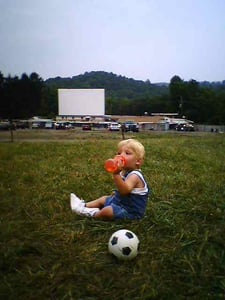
(87, 211)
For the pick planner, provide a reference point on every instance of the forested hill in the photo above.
(201, 102)
(28, 96)
(116, 86)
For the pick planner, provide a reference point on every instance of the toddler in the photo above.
(130, 198)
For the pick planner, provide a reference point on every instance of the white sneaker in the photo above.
(78, 206)
(76, 203)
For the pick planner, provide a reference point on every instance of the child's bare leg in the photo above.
(99, 203)
(93, 208)
(105, 214)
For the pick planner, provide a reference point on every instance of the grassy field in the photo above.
(47, 252)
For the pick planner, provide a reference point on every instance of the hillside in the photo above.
(116, 86)
(202, 102)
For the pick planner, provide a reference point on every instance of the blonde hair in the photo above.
(135, 145)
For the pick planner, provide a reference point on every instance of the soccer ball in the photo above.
(123, 244)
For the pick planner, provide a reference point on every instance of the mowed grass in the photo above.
(48, 252)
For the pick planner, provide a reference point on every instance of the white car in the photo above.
(114, 126)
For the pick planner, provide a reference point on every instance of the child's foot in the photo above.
(76, 203)
(78, 206)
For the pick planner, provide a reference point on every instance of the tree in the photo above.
(176, 89)
(21, 97)
(49, 103)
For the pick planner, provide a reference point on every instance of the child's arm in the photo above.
(125, 187)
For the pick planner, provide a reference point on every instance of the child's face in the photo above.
(132, 162)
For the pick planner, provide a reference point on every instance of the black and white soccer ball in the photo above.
(123, 244)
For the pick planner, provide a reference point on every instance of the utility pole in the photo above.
(181, 107)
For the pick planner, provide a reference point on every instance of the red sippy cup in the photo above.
(115, 164)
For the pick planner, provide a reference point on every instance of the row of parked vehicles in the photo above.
(61, 125)
(127, 126)
(111, 126)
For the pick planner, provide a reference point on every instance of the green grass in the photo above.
(47, 252)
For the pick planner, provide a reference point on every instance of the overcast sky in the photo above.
(140, 39)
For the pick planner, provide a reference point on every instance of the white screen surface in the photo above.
(81, 102)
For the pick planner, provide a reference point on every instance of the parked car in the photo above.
(185, 127)
(22, 125)
(131, 126)
(4, 125)
(62, 125)
(114, 126)
(86, 127)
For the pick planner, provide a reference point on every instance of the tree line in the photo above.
(202, 102)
